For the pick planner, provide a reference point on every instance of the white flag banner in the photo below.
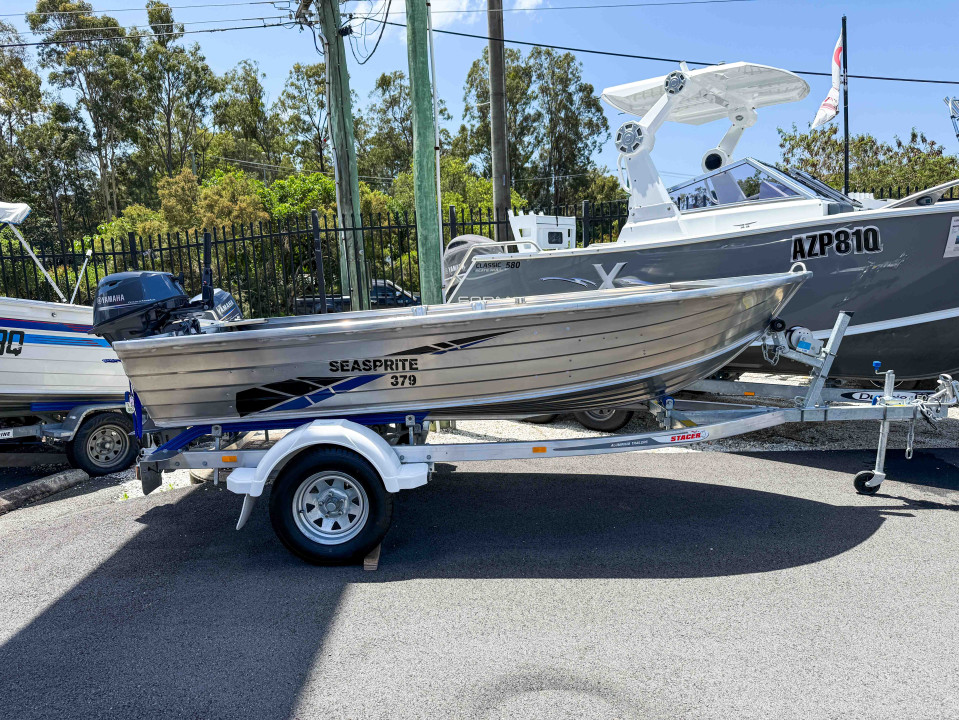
(830, 106)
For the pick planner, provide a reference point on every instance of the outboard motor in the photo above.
(225, 307)
(132, 305)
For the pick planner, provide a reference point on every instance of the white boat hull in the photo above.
(49, 362)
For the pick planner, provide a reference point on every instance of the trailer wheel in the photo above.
(541, 419)
(103, 445)
(329, 507)
(860, 482)
(604, 419)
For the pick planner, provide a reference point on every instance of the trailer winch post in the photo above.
(821, 370)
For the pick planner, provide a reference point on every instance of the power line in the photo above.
(143, 9)
(289, 169)
(542, 8)
(145, 35)
(608, 53)
(162, 25)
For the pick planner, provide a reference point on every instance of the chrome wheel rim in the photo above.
(106, 445)
(601, 414)
(330, 508)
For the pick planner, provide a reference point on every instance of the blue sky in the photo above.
(914, 39)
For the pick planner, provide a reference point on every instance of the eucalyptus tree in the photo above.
(178, 90)
(302, 105)
(386, 139)
(93, 56)
(555, 124)
(243, 110)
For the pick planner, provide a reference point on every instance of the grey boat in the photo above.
(893, 264)
(519, 356)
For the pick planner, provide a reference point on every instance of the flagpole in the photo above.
(845, 108)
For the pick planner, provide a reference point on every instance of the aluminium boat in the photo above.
(509, 357)
(48, 361)
(893, 264)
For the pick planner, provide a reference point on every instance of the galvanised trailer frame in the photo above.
(333, 479)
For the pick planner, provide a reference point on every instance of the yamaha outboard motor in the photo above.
(139, 304)
(131, 305)
(225, 307)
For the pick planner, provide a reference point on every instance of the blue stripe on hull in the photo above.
(58, 340)
(43, 325)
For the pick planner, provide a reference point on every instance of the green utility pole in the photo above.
(352, 252)
(497, 118)
(424, 158)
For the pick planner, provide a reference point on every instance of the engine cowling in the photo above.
(131, 305)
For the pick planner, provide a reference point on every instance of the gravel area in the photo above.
(860, 435)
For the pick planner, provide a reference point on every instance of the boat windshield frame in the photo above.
(819, 187)
(798, 190)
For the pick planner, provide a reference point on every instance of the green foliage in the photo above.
(296, 195)
(179, 196)
(460, 186)
(231, 198)
(140, 220)
(917, 163)
(386, 140)
(555, 124)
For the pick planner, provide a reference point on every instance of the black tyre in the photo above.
(860, 482)
(541, 419)
(104, 444)
(329, 507)
(71, 456)
(604, 419)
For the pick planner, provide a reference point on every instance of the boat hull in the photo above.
(900, 285)
(49, 363)
(502, 357)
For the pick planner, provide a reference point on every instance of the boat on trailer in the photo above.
(893, 264)
(332, 480)
(48, 360)
(510, 357)
(58, 382)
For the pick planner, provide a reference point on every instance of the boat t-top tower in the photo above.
(694, 97)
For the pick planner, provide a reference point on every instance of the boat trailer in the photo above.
(331, 503)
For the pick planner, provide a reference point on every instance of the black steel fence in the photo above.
(292, 267)
(272, 268)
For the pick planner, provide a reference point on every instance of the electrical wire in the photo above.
(290, 170)
(608, 53)
(142, 9)
(542, 8)
(369, 54)
(73, 41)
(162, 25)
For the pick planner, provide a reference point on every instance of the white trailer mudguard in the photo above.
(380, 454)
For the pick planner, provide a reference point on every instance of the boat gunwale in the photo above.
(464, 313)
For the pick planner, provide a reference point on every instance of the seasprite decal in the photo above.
(375, 365)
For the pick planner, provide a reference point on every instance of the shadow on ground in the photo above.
(192, 619)
(931, 468)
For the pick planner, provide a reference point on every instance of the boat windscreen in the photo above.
(738, 183)
(819, 187)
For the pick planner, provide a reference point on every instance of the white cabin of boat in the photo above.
(730, 196)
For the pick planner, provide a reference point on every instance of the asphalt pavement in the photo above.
(674, 585)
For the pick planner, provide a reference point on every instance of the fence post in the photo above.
(132, 242)
(587, 225)
(318, 257)
(452, 222)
